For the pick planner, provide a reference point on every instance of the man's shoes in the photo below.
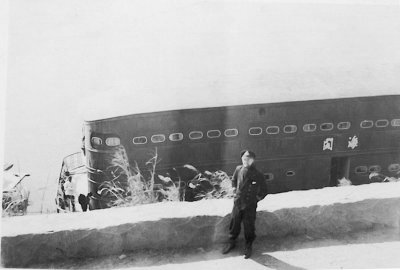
(229, 247)
(248, 250)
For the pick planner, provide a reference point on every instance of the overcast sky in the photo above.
(71, 60)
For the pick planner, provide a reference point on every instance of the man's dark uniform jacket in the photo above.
(250, 186)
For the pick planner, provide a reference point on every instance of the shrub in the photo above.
(128, 186)
(214, 185)
(172, 191)
(344, 182)
(15, 202)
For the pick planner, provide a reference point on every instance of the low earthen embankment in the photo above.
(315, 213)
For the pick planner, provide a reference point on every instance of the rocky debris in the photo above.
(315, 213)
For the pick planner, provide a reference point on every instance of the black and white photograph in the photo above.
(200, 134)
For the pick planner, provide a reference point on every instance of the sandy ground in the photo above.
(369, 249)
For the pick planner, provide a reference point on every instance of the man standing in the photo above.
(69, 188)
(249, 188)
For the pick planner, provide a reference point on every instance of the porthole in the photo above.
(395, 123)
(374, 168)
(394, 167)
(231, 132)
(381, 123)
(269, 176)
(97, 141)
(343, 125)
(215, 133)
(309, 127)
(366, 124)
(290, 128)
(195, 135)
(326, 126)
(139, 140)
(361, 169)
(113, 141)
(158, 138)
(254, 131)
(290, 173)
(272, 130)
(174, 137)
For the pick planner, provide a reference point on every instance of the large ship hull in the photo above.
(299, 145)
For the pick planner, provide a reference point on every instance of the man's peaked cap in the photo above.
(247, 153)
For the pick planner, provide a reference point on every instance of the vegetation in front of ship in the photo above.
(15, 202)
(128, 185)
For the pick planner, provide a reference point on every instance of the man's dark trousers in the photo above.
(250, 188)
(248, 217)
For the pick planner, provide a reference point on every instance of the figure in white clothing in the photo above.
(70, 193)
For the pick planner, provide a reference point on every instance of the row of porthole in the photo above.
(253, 131)
(293, 128)
(111, 141)
(376, 168)
(324, 126)
(381, 123)
(193, 135)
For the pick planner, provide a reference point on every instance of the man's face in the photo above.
(247, 161)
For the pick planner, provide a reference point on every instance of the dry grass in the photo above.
(128, 186)
(15, 202)
(344, 182)
(170, 192)
(214, 185)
